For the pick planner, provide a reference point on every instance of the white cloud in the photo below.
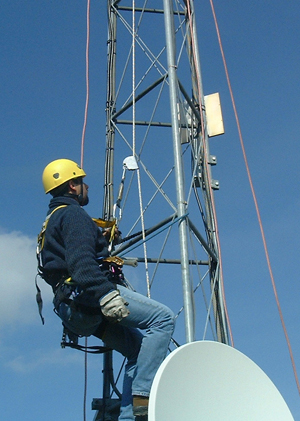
(17, 273)
(31, 362)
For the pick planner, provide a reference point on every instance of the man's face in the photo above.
(81, 190)
(85, 194)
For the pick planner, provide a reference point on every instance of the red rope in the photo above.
(255, 201)
(87, 80)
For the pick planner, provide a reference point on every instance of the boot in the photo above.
(140, 408)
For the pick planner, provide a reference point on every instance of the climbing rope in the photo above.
(134, 148)
(87, 81)
(255, 199)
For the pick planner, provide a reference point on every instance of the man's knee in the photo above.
(167, 319)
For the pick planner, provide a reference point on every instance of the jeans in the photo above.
(144, 352)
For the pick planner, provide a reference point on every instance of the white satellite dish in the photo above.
(210, 381)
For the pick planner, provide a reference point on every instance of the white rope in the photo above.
(143, 233)
(133, 77)
(134, 148)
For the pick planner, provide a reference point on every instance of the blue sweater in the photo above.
(72, 245)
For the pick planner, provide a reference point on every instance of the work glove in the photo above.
(113, 306)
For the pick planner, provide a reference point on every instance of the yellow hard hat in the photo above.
(59, 171)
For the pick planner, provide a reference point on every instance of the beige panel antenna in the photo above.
(214, 118)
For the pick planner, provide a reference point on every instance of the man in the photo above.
(89, 298)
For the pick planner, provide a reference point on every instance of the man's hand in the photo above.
(112, 235)
(113, 306)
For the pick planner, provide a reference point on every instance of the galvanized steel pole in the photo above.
(178, 164)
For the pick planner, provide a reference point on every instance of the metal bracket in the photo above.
(212, 160)
(215, 185)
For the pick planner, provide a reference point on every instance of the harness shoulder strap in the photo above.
(39, 248)
(41, 236)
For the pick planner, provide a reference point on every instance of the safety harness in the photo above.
(65, 289)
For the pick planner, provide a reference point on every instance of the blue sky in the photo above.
(42, 77)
